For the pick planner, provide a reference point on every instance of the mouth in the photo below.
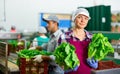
(82, 24)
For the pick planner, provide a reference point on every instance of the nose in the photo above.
(82, 19)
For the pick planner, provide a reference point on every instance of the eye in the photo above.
(79, 17)
(86, 18)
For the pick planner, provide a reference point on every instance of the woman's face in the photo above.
(81, 21)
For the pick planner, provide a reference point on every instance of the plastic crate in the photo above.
(107, 67)
(28, 66)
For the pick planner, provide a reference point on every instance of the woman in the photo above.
(80, 38)
(42, 38)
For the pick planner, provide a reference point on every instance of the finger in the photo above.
(92, 58)
(93, 61)
(35, 60)
(96, 61)
(88, 61)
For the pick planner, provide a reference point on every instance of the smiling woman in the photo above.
(80, 39)
(81, 21)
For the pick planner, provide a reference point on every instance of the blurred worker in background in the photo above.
(2, 29)
(52, 26)
(42, 38)
(13, 29)
(80, 38)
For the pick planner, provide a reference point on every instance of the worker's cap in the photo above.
(51, 18)
(42, 29)
(82, 11)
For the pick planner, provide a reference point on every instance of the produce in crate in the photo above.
(12, 45)
(66, 56)
(99, 47)
(13, 42)
(26, 62)
(31, 53)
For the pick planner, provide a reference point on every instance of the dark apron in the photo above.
(82, 53)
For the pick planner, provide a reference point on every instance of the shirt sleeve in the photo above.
(61, 39)
(35, 42)
(44, 46)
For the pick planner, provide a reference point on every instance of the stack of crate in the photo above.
(28, 66)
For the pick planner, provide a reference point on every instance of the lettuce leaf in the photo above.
(99, 47)
(66, 56)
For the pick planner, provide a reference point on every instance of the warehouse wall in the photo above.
(24, 14)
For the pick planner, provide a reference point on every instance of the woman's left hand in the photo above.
(92, 63)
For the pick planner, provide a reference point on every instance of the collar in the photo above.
(56, 33)
(88, 35)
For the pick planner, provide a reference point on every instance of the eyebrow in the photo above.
(82, 15)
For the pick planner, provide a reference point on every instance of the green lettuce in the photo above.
(31, 53)
(99, 47)
(66, 56)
